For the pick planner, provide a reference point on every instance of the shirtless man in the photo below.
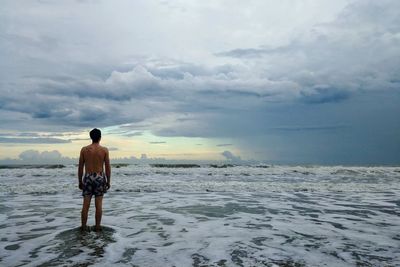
(95, 182)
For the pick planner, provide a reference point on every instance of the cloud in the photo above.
(316, 67)
(224, 144)
(36, 140)
(113, 149)
(320, 95)
(157, 142)
(79, 139)
(356, 51)
(45, 157)
(325, 64)
(23, 134)
(133, 134)
(293, 128)
(251, 52)
(230, 156)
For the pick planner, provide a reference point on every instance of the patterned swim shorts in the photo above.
(94, 184)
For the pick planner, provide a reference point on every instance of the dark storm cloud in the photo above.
(323, 69)
(324, 95)
(357, 51)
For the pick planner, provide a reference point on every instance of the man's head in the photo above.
(95, 135)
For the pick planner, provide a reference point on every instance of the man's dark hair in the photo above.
(95, 135)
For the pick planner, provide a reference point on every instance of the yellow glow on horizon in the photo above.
(120, 146)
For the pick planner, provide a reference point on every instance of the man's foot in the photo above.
(84, 228)
(98, 228)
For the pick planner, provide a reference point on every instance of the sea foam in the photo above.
(205, 216)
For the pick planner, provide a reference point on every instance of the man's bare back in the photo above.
(94, 157)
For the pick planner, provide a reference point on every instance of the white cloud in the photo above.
(44, 157)
(230, 156)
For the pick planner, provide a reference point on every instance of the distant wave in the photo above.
(43, 166)
(34, 179)
(222, 166)
(345, 172)
(175, 165)
(119, 165)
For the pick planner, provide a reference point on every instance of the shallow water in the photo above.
(235, 216)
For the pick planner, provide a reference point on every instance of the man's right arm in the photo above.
(80, 169)
(108, 168)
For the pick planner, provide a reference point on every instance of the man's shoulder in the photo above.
(104, 148)
(84, 148)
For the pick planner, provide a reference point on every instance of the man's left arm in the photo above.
(108, 168)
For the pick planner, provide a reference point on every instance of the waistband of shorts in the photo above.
(94, 173)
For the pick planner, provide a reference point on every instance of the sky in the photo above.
(299, 82)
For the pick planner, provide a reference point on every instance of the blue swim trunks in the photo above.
(94, 184)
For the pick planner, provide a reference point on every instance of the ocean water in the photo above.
(204, 216)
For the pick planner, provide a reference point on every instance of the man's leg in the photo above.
(85, 211)
(99, 211)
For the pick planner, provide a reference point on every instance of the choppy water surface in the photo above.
(234, 216)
